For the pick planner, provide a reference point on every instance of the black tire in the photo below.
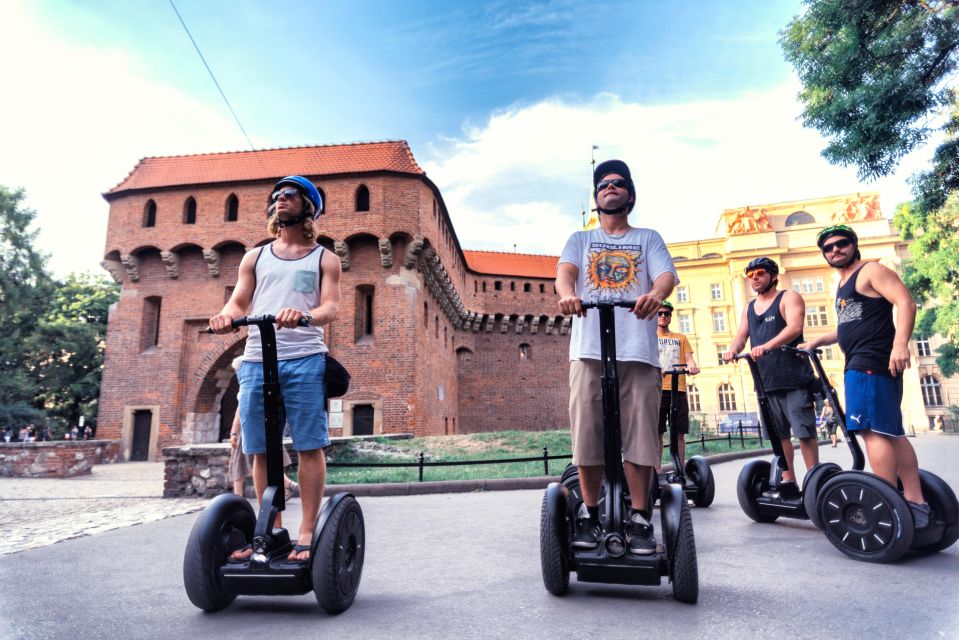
(813, 483)
(685, 569)
(337, 557)
(700, 473)
(553, 543)
(942, 500)
(753, 480)
(570, 471)
(224, 526)
(865, 517)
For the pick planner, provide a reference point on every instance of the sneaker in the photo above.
(921, 514)
(789, 491)
(639, 533)
(588, 531)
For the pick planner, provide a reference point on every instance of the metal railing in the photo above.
(421, 463)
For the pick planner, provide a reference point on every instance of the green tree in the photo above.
(877, 80)
(66, 349)
(25, 287)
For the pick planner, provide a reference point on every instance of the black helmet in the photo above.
(607, 167)
(763, 263)
(843, 230)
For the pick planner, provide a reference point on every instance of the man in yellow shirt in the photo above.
(674, 349)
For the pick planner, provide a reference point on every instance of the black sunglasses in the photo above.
(619, 183)
(838, 244)
(665, 314)
(286, 193)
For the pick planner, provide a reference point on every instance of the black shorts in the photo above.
(682, 420)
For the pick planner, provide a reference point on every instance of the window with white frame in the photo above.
(682, 294)
(685, 323)
(716, 291)
(923, 348)
(828, 353)
(816, 316)
(812, 284)
(931, 391)
(719, 321)
(692, 395)
(727, 397)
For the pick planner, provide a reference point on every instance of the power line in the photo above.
(228, 105)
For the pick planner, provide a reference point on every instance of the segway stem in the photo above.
(765, 415)
(858, 459)
(674, 435)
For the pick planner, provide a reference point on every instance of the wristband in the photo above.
(308, 316)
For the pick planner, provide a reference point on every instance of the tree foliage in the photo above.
(51, 332)
(25, 287)
(878, 81)
(873, 72)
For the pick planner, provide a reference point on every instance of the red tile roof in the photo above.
(150, 173)
(512, 264)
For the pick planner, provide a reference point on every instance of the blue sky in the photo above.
(501, 103)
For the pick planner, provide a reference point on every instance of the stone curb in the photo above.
(496, 484)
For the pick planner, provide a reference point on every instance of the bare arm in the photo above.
(648, 304)
(742, 334)
(793, 309)
(830, 338)
(569, 302)
(242, 298)
(886, 283)
(691, 367)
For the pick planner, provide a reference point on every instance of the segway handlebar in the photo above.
(244, 321)
(628, 304)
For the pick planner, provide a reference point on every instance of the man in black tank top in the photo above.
(774, 319)
(877, 354)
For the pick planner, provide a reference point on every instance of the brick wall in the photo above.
(55, 459)
(427, 305)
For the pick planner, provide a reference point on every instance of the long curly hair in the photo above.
(307, 227)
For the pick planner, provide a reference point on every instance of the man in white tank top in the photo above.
(291, 278)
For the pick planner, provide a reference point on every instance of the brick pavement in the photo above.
(36, 512)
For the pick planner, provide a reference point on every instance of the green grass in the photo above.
(481, 446)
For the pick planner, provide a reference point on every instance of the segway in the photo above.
(213, 581)
(610, 562)
(696, 476)
(758, 487)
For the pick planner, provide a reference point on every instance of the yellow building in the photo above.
(713, 292)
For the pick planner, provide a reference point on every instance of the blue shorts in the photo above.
(304, 401)
(873, 403)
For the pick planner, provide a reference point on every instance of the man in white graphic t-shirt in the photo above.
(611, 263)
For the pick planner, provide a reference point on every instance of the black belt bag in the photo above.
(337, 378)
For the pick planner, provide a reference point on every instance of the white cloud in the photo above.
(524, 176)
(73, 123)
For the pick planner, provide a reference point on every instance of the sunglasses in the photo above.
(619, 183)
(665, 314)
(286, 193)
(838, 244)
(756, 272)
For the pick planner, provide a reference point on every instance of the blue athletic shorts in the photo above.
(304, 399)
(873, 402)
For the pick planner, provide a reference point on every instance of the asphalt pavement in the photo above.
(467, 565)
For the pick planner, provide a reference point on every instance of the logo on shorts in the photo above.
(856, 418)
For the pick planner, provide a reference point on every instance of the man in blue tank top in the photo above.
(292, 278)
(877, 354)
(774, 319)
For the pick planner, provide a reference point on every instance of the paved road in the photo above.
(467, 566)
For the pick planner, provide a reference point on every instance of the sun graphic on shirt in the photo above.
(612, 270)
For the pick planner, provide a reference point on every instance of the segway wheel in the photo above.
(685, 567)
(224, 526)
(570, 471)
(753, 480)
(865, 517)
(814, 481)
(945, 507)
(554, 541)
(699, 471)
(337, 557)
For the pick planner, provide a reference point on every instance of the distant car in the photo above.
(749, 421)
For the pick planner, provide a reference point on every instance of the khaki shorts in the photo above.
(640, 386)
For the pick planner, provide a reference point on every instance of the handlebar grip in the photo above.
(244, 321)
(628, 304)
